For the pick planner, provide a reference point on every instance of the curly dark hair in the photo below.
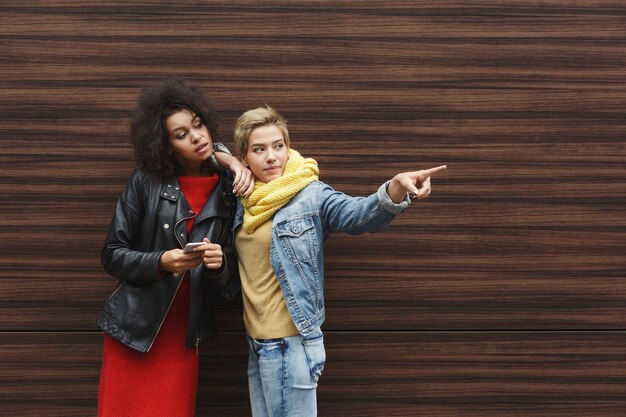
(148, 132)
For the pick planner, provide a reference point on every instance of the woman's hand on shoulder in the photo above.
(243, 184)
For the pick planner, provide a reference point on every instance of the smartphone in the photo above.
(189, 246)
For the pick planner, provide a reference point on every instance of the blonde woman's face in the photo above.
(267, 153)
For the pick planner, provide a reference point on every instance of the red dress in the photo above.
(164, 380)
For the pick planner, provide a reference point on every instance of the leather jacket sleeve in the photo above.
(226, 279)
(123, 255)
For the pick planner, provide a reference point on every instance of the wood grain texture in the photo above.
(474, 374)
(504, 294)
(367, 374)
(525, 103)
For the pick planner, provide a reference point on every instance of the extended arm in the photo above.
(357, 215)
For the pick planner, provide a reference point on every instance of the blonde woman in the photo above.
(279, 231)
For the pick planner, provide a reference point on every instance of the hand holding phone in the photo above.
(189, 246)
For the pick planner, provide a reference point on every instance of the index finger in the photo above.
(236, 179)
(432, 171)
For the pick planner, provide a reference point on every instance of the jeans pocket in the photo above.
(269, 348)
(316, 356)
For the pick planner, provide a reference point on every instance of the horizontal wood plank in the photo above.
(367, 374)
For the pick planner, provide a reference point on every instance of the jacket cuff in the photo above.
(388, 204)
(218, 147)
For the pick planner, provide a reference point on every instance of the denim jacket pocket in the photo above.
(300, 246)
(316, 356)
(294, 227)
(297, 237)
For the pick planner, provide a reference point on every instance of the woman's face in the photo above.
(267, 153)
(189, 140)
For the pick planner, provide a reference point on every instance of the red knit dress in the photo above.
(164, 380)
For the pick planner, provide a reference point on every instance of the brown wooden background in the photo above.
(502, 295)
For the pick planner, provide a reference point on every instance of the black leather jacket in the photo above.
(150, 219)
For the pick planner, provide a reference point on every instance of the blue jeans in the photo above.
(283, 375)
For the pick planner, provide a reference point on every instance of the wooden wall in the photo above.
(504, 294)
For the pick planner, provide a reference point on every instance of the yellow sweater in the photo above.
(265, 313)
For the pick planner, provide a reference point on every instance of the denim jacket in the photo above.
(298, 232)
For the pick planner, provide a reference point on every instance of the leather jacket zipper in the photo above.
(117, 289)
(182, 245)
(180, 281)
(180, 277)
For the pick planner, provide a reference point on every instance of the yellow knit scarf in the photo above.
(267, 198)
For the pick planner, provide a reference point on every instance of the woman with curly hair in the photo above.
(159, 313)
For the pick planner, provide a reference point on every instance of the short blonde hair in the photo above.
(250, 120)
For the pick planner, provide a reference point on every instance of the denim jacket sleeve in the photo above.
(218, 147)
(356, 215)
